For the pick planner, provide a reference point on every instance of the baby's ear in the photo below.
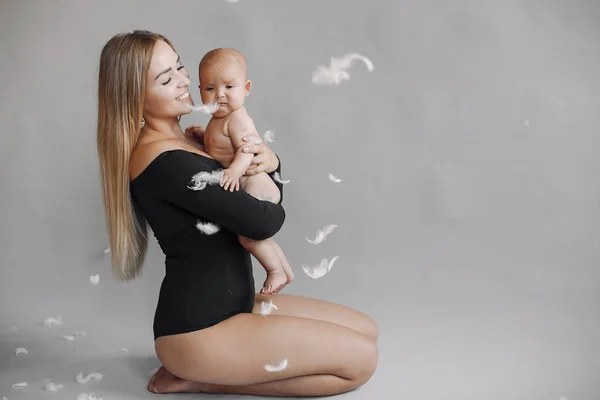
(248, 87)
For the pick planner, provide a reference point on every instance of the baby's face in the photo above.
(224, 83)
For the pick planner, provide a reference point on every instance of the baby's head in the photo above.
(222, 75)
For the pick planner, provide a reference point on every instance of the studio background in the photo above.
(468, 213)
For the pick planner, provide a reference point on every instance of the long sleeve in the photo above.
(279, 184)
(237, 211)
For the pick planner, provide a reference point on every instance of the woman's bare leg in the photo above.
(307, 307)
(323, 358)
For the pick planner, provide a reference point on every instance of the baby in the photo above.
(222, 74)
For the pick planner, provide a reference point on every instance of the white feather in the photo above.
(153, 371)
(68, 337)
(325, 76)
(267, 308)
(278, 178)
(107, 250)
(279, 367)
(53, 387)
(203, 178)
(320, 270)
(334, 179)
(232, 1)
(345, 62)
(124, 350)
(208, 228)
(94, 375)
(269, 136)
(19, 385)
(21, 350)
(51, 321)
(337, 72)
(322, 234)
(205, 108)
(94, 279)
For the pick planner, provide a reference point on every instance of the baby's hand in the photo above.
(231, 179)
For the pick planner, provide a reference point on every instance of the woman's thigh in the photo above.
(306, 307)
(236, 351)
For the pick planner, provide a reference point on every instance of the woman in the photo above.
(209, 333)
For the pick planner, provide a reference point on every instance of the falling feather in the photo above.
(232, 1)
(269, 136)
(320, 270)
(68, 337)
(94, 279)
(345, 62)
(203, 178)
(278, 178)
(526, 123)
(326, 76)
(79, 333)
(337, 72)
(19, 385)
(94, 375)
(21, 350)
(208, 228)
(267, 308)
(334, 179)
(51, 321)
(322, 234)
(53, 387)
(124, 350)
(107, 250)
(205, 108)
(279, 367)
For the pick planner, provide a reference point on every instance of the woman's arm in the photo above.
(236, 211)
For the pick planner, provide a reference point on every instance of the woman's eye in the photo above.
(180, 68)
(167, 81)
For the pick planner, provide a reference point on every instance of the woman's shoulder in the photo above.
(144, 153)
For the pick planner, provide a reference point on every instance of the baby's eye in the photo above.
(229, 86)
(208, 89)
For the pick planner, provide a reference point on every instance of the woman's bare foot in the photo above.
(276, 280)
(165, 382)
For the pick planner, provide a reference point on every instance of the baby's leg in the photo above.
(261, 186)
(267, 252)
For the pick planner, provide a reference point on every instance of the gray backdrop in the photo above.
(468, 216)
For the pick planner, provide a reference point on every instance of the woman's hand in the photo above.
(196, 134)
(264, 159)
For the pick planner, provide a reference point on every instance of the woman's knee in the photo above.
(367, 363)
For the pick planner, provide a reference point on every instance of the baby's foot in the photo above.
(276, 280)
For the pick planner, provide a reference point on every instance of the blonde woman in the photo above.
(208, 331)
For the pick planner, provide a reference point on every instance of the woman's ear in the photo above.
(248, 87)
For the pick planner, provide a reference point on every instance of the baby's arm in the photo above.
(239, 125)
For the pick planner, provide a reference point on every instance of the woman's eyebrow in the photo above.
(168, 69)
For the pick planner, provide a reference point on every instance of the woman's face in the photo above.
(167, 94)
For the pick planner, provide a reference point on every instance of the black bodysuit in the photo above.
(208, 277)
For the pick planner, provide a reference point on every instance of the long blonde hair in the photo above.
(124, 64)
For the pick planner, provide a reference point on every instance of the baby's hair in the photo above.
(223, 54)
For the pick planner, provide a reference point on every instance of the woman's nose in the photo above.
(184, 81)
